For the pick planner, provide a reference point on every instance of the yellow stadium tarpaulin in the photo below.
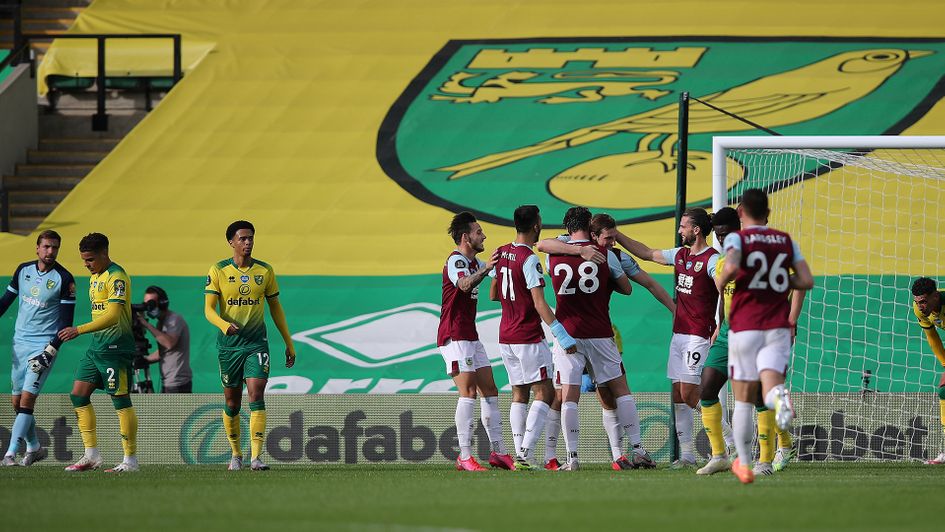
(277, 119)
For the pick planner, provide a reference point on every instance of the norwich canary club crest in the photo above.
(489, 125)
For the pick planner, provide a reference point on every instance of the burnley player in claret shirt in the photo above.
(458, 340)
(520, 286)
(758, 258)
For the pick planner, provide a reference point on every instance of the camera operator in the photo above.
(173, 339)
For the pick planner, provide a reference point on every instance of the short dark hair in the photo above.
(525, 217)
(460, 225)
(236, 226)
(602, 221)
(577, 219)
(725, 216)
(700, 218)
(48, 234)
(923, 286)
(755, 203)
(93, 242)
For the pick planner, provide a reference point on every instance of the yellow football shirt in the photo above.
(934, 319)
(729, 288)
(242, 293)
(112, 286)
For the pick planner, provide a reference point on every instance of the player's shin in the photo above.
(629, 419)
(765, 434)
(518, 415)
(941, 406)
(85, 419)
(32, 440)
(683, 414)
(552, 431)
(613, 431)
(21, 424)
(465, 407)
(127, 424)
(743, 429)
(712, 421)
(231, 424)
(534, 425)
(570, 422)
(257, 427)
(492, 421)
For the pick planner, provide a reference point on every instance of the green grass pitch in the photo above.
(805, 497)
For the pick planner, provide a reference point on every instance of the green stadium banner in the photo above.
(370, 429)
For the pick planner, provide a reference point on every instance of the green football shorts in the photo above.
(110, 371)
(718, 353)
(239, 365)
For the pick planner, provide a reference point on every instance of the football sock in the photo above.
(465, 407)
(21, 424)
(552, 431)
(231, 424)
(683, 415)
(32, 441)
(537, 415)
(629, 419)
(85, 419)
(785, 441)
(571, 424)
(712, 421)
(765, 435)
(128, 426)
(772, 395)
(612, 429)
(726, 425)
(743, 429)
(941, 406)
(257, 427)
(492, 421)
(518, 414)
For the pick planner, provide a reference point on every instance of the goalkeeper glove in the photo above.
(43, 360)
(561, 334)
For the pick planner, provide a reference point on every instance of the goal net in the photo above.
(866, 212)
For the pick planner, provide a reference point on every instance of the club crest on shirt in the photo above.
(698, 267)
(258, 279)
(50, 284)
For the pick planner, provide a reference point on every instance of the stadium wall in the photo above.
(341, 429)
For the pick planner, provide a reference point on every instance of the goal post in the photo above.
(867, 213)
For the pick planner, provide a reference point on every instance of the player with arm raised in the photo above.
(466, 359)
(238, 286)
(694, 319)
(927, 307)
(107, 363)
(520, 286)
(757, 258)
(582, 290)
(46, 294)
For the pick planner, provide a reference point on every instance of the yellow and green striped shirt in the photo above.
(112, 286)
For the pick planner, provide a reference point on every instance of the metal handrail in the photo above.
(100, 118)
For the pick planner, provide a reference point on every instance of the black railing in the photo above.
(100, 118)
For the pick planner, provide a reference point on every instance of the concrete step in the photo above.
(39, 183)
(42, 210)
(60, 144)
(30, 196)
(65, 157)
(8, 32)
(34, 12)
(24, 225)
(54, 170)
(37, 25)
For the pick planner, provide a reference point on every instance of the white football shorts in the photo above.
(464, 356)
(687, 354)
(527, 363)
(599, 355)
(750, 352)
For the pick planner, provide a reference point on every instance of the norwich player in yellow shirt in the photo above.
(238, 286)
(107, 363)
(927, 306)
